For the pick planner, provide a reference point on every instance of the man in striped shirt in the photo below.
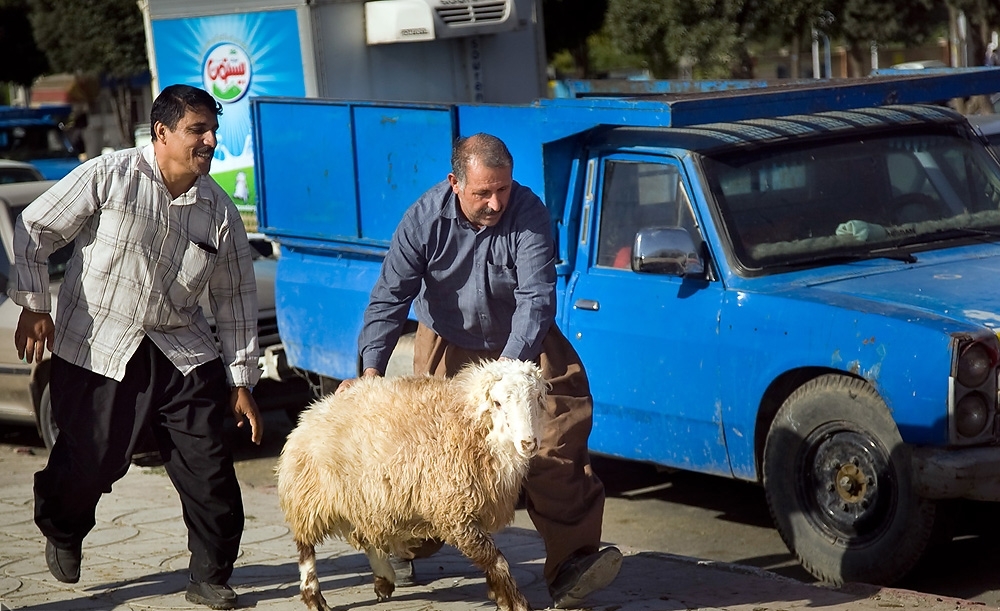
(131, 347)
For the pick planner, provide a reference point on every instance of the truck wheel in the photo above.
(47, 428)
(837, 480)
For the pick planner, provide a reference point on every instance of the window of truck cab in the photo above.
(639, 193)
(805, 204)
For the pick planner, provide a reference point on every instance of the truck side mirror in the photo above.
(666, 250)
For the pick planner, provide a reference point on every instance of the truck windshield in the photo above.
(30, 142)
(910, 189)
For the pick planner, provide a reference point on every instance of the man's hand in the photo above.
(245, 408)
(35, 332)
(371, 372)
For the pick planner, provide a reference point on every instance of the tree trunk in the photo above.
(124, 101)
(795, 69)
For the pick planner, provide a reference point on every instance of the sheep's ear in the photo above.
(481, 392)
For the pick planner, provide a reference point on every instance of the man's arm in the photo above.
(48, 223)
(233, 299)
(535, 295)
(398, 284)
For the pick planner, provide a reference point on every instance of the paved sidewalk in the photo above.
(136, 559)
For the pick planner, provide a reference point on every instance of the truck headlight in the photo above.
(974, 365)
(973, 408)
(972, 414)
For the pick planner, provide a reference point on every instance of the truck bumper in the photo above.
(274, 365)
(971, 473)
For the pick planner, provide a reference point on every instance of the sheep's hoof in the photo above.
(515, 602)
(383, 588)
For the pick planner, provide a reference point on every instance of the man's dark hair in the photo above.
(484, 148)
(174, 101)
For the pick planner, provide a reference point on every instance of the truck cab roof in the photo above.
(718, 136)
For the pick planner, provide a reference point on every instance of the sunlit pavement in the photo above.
(136, 558)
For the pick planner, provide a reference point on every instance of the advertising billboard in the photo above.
(233, 57)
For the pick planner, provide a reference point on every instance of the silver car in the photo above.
(24, 388)
(18, 171)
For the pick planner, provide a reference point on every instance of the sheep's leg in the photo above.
(308, 580)
(385, 575)
(478, 546)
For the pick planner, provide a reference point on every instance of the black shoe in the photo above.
(405, 577)
(64, 564)
(581, 575)
(214, 596)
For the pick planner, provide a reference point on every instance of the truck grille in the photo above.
(472, 13)
(267, 332)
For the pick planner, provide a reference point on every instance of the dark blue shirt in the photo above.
(491, 289)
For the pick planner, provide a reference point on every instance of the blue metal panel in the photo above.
(784, 98)
(626, 87)
(765, 336)
(305, 173)
(400, 152)
(320, 300)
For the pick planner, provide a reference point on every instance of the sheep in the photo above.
(391, 462)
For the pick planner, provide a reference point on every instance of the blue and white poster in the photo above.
(233, 57)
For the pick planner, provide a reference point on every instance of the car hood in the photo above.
(960, 290)
(263, 271)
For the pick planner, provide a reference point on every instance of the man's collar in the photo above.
(198, 191)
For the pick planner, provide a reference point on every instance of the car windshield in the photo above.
(9, 175)
(888, 195)
(28, 142)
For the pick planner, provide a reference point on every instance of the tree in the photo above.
(710, 36)
(17, 41)
(983, 16)
(790, 21)
(861, 22)
(568, 24)
(100, 37)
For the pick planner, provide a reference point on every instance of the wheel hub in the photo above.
(847, 482)
(852, 484)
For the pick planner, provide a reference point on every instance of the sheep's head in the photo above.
(512, 395)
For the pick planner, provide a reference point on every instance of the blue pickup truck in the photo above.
(36, 135)
(795, 286)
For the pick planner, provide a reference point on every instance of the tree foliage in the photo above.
(861, 22)
(17, 41)
(104, 38)
(716, 33)
(568, 25)
(710, 36)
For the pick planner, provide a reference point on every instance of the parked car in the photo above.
(24, 388)
(18, 171)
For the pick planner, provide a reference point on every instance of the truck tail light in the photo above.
(974, 393)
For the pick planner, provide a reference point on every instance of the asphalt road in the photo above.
(692, 515)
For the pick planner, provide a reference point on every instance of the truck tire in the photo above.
(837, 480)
(47, 428)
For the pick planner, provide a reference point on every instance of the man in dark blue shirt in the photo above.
(475, 258)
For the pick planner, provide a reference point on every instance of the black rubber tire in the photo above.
(47, 428)
(837, 480)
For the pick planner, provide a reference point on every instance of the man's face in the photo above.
(190, 147)
(483, 199)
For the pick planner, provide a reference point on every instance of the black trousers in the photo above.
(100, 421)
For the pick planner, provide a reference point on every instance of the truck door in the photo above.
(645, 339)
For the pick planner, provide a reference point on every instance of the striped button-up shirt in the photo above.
(141, 261)
(486, 289)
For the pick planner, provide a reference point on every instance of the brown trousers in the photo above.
(565, 498)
